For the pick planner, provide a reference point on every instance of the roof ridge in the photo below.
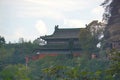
(60, 33)
(69, 28)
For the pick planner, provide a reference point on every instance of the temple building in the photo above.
(62, 41)
(112, 31)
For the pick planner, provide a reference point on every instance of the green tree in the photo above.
(5, 56)
(21, 50)
(114, 69)
(87, 41)
(77, 68)
(2, 41)
(15, 72)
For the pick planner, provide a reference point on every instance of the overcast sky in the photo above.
(32, 18)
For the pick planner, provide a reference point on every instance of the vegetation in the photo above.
(87, 41)
(2, 41)
(54, 68)
(14, 72)
(114, 69)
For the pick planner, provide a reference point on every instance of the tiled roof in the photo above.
(63, 33)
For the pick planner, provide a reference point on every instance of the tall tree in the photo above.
(88, 42)
(2, 41)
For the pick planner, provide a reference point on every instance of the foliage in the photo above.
(14, 72)
(5, 53)
(5, 56)
(21, 50)
(62, 68)
(114, 69)
(2, 41)
(49, 68)
(87, 41)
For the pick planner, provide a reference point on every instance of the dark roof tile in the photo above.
(64, 33)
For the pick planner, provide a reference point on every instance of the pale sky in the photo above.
(30, 19)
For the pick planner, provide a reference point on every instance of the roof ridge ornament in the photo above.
(56, 27)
